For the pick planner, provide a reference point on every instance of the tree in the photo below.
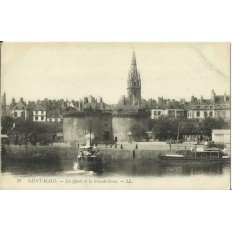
(138, 133)
(209, 124)
(163, 128)
(6, 124)
(166, 128)
(26, 127)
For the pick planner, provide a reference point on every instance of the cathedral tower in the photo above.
(134, 83)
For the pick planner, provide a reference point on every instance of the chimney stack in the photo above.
(225, 97)
(80, 105)
(192, 99)
(201, 99)
(13, 102)
(213, 96)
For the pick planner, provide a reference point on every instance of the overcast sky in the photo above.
(74, 70)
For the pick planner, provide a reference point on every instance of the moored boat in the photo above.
(88, 152)
(200, 152)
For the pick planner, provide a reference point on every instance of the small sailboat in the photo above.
(89, 151)
(171, 153)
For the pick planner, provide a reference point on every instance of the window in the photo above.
(36, 112)
(171, 113)
(50, 120)
(198, 107)
(15, 114)
(205, 114)
(159, 112)
(105, 124)
(211, 114)
(22, 114)
(56, 120)
(155, 113)
(36, 118)
(198, 113)
(42, 118)
(211, 107)
(42, 112)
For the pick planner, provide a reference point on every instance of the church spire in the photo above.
(134, 71)
(134, 82)
(133, 63)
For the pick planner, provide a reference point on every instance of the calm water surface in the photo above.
(113, 167)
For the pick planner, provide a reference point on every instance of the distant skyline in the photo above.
(76, 70)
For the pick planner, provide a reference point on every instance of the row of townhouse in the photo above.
(38, 113)
(170, 112)
(217, 106)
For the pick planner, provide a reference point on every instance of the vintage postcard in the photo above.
(115, 116)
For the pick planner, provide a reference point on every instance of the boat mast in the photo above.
(177, 139)
(90, 126)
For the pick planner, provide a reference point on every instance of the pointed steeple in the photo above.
(134, 71)
(133, 63)
(134, 82)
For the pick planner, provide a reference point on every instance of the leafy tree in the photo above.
(138, 133)
(166, 128)
(163, 128)
(208, 124)
(6, 124)
(26, 127)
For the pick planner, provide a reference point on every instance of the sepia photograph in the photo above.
(115, 115)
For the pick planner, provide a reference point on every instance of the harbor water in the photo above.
(113, 165)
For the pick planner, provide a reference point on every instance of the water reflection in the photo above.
(90, 164)
(35, 167)
(151, 167)
(111, 167)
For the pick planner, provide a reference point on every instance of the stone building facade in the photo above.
(90, 123)
(122, 122)
(218, 106)
(107, 123)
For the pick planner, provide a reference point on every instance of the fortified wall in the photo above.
(106, 123)
(77, 126)
(74, 127)
(122, 122)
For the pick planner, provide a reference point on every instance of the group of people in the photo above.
(121, 146)
(111, 145)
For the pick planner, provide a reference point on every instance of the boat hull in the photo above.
(192, 159)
